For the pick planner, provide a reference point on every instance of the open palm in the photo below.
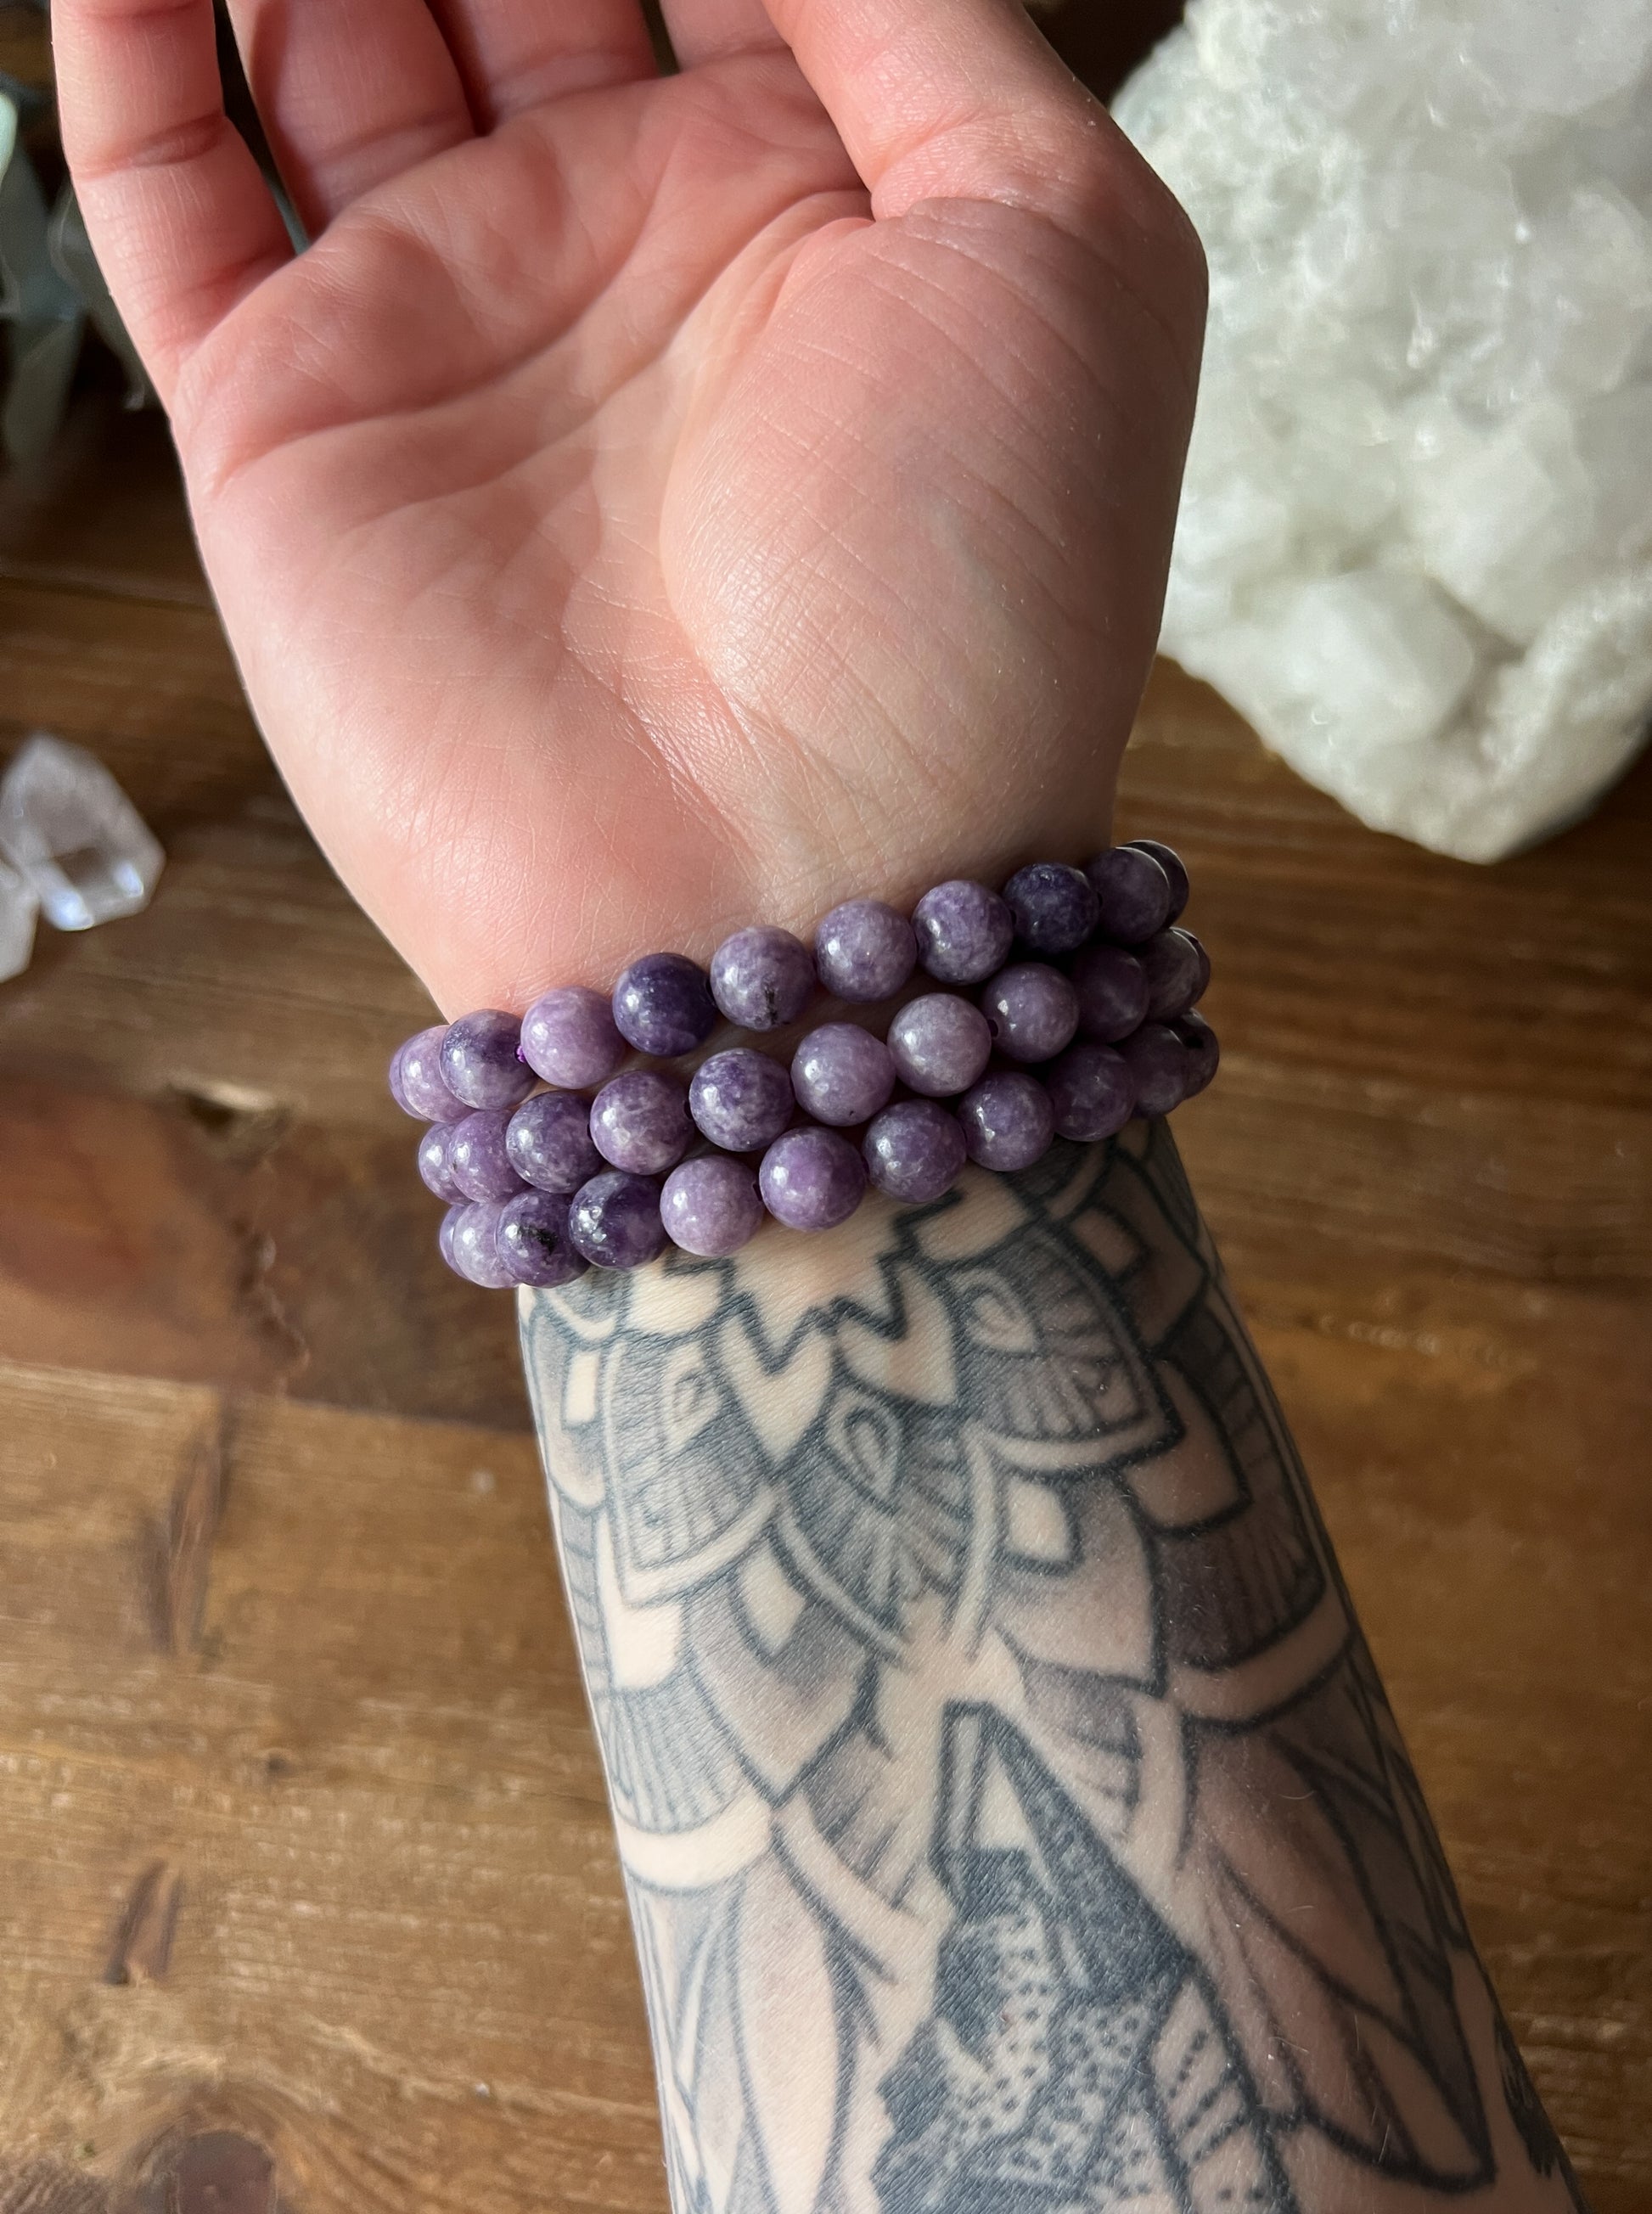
(653, 502)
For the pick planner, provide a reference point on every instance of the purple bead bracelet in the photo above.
(1082, 974)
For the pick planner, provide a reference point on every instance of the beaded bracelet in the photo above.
(1082, 972)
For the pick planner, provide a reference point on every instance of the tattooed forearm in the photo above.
(1012, 1819)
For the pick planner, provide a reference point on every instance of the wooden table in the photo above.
(307, 1899)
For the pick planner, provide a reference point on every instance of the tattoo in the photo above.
(1012, 1819)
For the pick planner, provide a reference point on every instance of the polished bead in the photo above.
(939, 1044)
(478, 1160)
(449, 1224)
(639, 1121)
(1158, 1062)
(1198, 946)
(470, 1244)
(914, 1150)
(1091, 1093)
(1031, 1011)
(741, 1100)
(1203, 1054)
(615, 1221)
(1008, 1121)
(812, 1180)
(1174, 868)
(963, 931)
(842, 1074)
(480, 1063)
(762, 978)
(549, 1142)
(1112, 992)
(1177, 970)
(532, 1240)
(864, 950)
(663, 1005)
(433, 1168)
(1133, 892)
(570, 1038)
(1054, 905)
(711, 1205)
(417, 1084)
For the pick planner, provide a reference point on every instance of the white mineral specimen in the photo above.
(1416, 542)
(18, 910)
(70, 831)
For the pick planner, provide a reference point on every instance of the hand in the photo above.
(654, 504)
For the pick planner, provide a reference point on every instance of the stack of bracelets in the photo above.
(1079, 972)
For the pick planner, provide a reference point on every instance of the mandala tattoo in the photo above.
(1012, 1820)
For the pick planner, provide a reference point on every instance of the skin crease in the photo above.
(627, 524)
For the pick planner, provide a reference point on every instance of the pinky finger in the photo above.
(182, 223)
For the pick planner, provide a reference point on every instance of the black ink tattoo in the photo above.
(1013, 1819)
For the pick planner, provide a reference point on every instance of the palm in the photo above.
(623, 535)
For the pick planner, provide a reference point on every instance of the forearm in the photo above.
(1012, 1818)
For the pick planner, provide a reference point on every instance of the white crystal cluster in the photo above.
(1415, 547)
(73, 847)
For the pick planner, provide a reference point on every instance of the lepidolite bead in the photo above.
(940, 1043)
(1177, 970)
(1198, 946)
(1175, 869)
(639, 1121)
(1031, 1011)
(741, 1100)
(1203, 1054)
(1091, 1093)
(614, 1221)
(1054, 905)
(470, 1244)
(570, 1038)
(1008, 1121)
(549, 1142)
(663, 1005)
(812, 1180)
(1158, 1062)
(433, 1168)
(864, 950)
(762, 978)
(417, 1084)
(1112, 991)
(478, 1159)
(1134, 893)
(480, 1064)
(711, 1205)
(963, 931)
(842, 1074)
(533, 1241)
(915, 1151)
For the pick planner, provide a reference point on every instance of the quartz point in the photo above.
(68, 828)
(18, 909)
(1414, 545)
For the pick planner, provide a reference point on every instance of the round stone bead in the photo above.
(1054, 907)
(842, 1074)
(1177, 969)
(417, 1084)
(478, 1160)
(1203, 1054)
(741, 1100)
(1091, 1093)
(470, 1244)
(1158, 1062)
(914, 1150)
(963, 931)
(1031, 1011)
(711, 1205)
(445, 1235)
(939, 1044)
(1008, 1121)
(762, 978)
(480, 1064)
(614, 1221)
(663, 1005)
(569, 1037)
(1198, 946)
(864, 950)
(532, 1240)
(550, 1143)
(811, 1179)
(433, 1168)
(639, 1121)
(1134, 893)
(1174, 868)
(1112, 991)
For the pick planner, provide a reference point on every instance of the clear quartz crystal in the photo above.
(70, 830)
(18, 909)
